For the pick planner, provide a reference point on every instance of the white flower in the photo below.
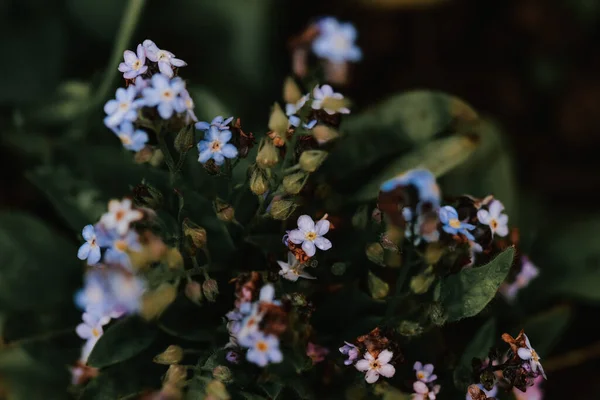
(529, 354)
(165, 59)
(91, 330)
(423, 392)
(497, 221)
(292, 270)
(336, 41)
(310, 235)
(120, 215)
(376, 366)
(323, 96)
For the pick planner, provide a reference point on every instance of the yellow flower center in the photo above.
(167, 94)
(215, 145)
(125, 139)
(454, 223)
(310, 236)
(137, 65)
(493, 224)
(534, 356)
(262, 346)
(121, 245)
(119, 215)
(420, 375)
(162, 56)
(375, 364)
(124, 105)
(95, 332)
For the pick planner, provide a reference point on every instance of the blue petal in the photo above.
(225, 136)
(88, 232)
(467, 234)
(450, 230)
(83, 251)
(94, 255)
(205, 156)
(219, 158)
(202, 126)
(165, 110)
(203, 145)
(257, 357)
(229, 151)
(294, 120)
(213, 133)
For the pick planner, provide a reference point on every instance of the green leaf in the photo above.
(465, 294)
(544, 330)
(377, 286)
(38, 266)
(122, 341)
(478, 347)
(272, 389)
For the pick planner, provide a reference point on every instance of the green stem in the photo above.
(165, 150)
(393, 302)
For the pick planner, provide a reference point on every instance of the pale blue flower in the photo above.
(350, 350)
(135, 64)
(90, 250)
(188, 104)
(123, 108)
(494, 218)
(423, 180)
(321, 94)
(127, 291)
(218, 122)
(94, 297)
(424, 373)
(263, 349)
(452, 225)
(336, 41)
(215, 146)
(131, 138)
(310, 235)
(117, 253)
(165, 59)
(164, 93)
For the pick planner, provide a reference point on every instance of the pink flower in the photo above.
(424, 372)
(376, 366)
(316, 353)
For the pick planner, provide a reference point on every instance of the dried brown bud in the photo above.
(172, 355)
(282, 209)
(184, 140)
(223, 374)
(258, 182)
(196, 233)
(145, 195)
(310, 160)
(210, 288)
(193, 291)
(225, 212)
(156, 301)
(291, 91)
(278, 122)
(268, 155)
(176, 375)
(293, 184)
(144, 155)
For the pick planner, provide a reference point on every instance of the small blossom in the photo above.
(527, 353)
(316, 353)
(310, 235)
(423, 180)
(134, 64)
(218, 122)
(423, 392)
(120, 215)
(127, 291)
(123, 108)
(164, 93)
(528, 272)
(429, 235)
(131, 138)
(376, 366)
(350, 350)
(120, 245)
(424, 372)
(489, 393)
(325, 94)
(94, 297)
(264, 350)
(292, 270)
(291, 109)
(494, 218)
(233, 357)
(452, 225)
(90, 330)
(336, 41)
(188, 104)
(165, 59)
(90, 250)
(216, 146)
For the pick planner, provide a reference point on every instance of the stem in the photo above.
(44, 336)
(406, 264)
(573, 358)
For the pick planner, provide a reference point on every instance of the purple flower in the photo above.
(134, 64)
(263, 350)
(336, 41)
(165, 59)
(132, 139)
(422, 179)
(215, 145)
(310, 235)
(423, 392)
(90, 330)
(117, 253)
(452, 225)
(489, 393)
(90, 250)
(527, 274)
(322, 94)
(424, 372)
(376, 366)
(218, 122)
(494, 218)
(164, 93)
(351, 351)
(233, 357)
(529, 354)
(188, 104)
(123, 108)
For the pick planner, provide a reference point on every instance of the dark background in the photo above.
(532, 65)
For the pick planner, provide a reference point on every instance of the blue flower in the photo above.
(135, 64)
(336, 41)
(217, 122)
(123, 108)
(422, 180)
(215, 146)
(127, 291)
(90, 250)
(133, 140)
(264, 349)
(165, 59)
(164, 93)
(451, 223)
(119, 245)
(188, 103)
(94, 297)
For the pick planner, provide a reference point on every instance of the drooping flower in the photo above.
(350, 350)
(218, 122)
(376, 366)
(264, 349)
(292, 269)
(325, 98)
(527, 353)
(131, 138)
(316, 353)
(423, 180)
(452, 225)
(135, 64)
(215, 145)
(494, 218)
(119, 246)
(424, 372)
(123, 108)
(165, 59)
(424, 392)
(310, 235)
(120, 215)
(489, 393)
(188, 105)
(90, 250)
(336, 41)
(164, 93)
(527, 274)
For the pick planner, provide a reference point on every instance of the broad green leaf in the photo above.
(377, 286)
(122, 341)
(466, 293)
(478, 347)
(39, 268)
(544, 330)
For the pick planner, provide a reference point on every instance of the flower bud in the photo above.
(282, 209)
(176, 375)
(222, 374)
(210, 288)
(174, 259)
(216, 390)
(291, 91)
(410, 328)
(310, 160)
(172, 355)
(225, 212)
(377, 286)
(184, 139)
(299, 300)
(421, 283)
(258, 182)
(170, 392)
(157, 158)
(144, 155)
(145, 195)
(436, 314)
(196, 233)
(324, 134)
(268, 155)
(375, 253)
(278, 121)
(193, 291)
(156, 301)
(433, 253)
(293, 184)
(338, 269)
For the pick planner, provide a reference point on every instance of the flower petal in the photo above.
(420, 387)
(418, 366)
(483, 216)
(94, 255)
(363, 365)
(496, 208)
(165, 110)
(323, 243)
(306, 224)
(309, 248)
(387, 370)
(372, 376)
(84, 331)
(225, 136)
(165, 68)
(213, 133)
(229, 151)
(428, 368)
(84, 251)
(205, 156)
(202, 126)
(88, 232)
(219, 158)
(267, 293)
(322, 227)
(524, 353)
(296, 236)
(502, 230)
(385, 356)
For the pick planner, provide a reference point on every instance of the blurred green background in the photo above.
(533, 66)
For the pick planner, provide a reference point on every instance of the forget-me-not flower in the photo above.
(188, 104)
(131, 138)
(117, 253)
(90, 330)
(94, 297)
(350, 350)
(310, 235)
(422, 179)
(376, 366)
(119, 216)
(336, 41)
(164, 93)
(452, 225)
(528, 272)
(424, 392)
(292, 269)
(263, 349)
(215, 145)
(494, 218)
(123, 108)
(90, 250)
(325, 95)
(127, 291)
(527, 353)
(165, 59)
(424, 373)
(219, 122)
(135, 64)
